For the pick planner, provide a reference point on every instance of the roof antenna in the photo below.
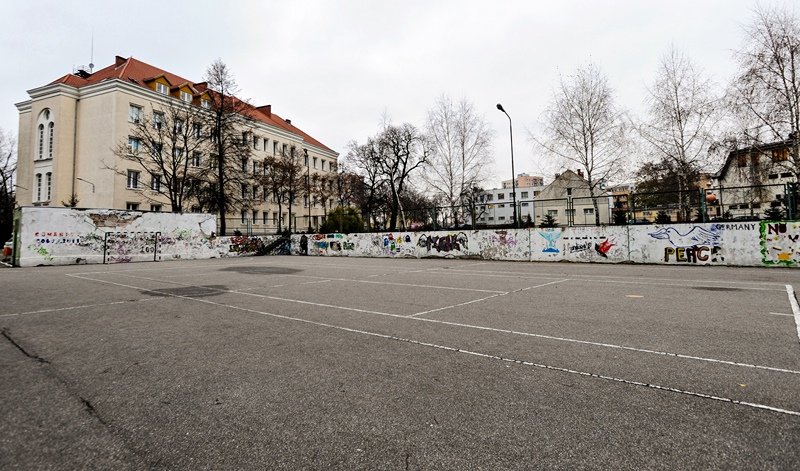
(91, 55)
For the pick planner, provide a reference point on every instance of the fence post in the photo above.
(702, 204)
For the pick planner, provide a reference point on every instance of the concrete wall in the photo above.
(734, 244)
(63, 236)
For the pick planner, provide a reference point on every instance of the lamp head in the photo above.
(500, 107)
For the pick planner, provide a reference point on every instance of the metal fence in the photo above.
(774, 202)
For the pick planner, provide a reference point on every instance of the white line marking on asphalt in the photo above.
(484, 299)
(58, 309)
(780, 314)
(507, 274)
(456, 305)
(488, 329)
(452, 288)
(795, 308)
(7, 264)
(469, 352)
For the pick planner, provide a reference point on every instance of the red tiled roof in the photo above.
(138, 72)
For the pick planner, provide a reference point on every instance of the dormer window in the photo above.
(205, 104)
(162, 89)
(187, 97)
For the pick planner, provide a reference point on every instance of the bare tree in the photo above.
(8, 167)
(404, 149)
(170, 146)
(461, 151)
(284, 181)
(365, 160)
(229, 136)
(767, 86)
(682, 113)
(583, 126)
(323, 188)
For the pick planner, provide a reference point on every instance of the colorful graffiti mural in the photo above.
(697, 245)
(780, 243)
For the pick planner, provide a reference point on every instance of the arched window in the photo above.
(38, 187)
(45, 144)
(50, 131)
(41, 141)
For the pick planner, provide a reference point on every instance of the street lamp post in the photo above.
(513, 173)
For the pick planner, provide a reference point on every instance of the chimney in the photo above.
(580, 173)
(266, 109)
(558, 175)
(119, 60)
(288, 121)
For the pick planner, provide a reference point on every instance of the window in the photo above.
(158, 120)
(773, 176)
(524, 204)
(162, 89)
(501, 205)
(305, 160)
(741, 160)
(274, 148)
(588, 211)
(156, 208)
(41, 141)
(50, 131)
(255, 142)
(305, 201)
(187, 97)
(265, 144)
(38, 187)
(157, 147)
(274, 218)
(132, 206)
(786, 174)
(524, 194)
(198, 130)
(197, 158)
(255, 168)
(264, 217)
(178, 126)
(133, 145)
(501, 218)
(255, 216)
(195, 209)
(48, 184)
(155, 183)
(177, 153)
(552, 212)
(244, 190)
(135, 114)
(569, 191)
(205, 103)
(489, 197)
(133, 179)
(244, 164)
(244, 216)
(322, 165)
(255, 192)
(501, 196)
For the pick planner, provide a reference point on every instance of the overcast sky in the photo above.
(335, 67)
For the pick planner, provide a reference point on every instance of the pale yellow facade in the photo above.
(77, 157)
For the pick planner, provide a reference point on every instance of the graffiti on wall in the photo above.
(697, 245)
(500, 245)
(551, 236)
(457, 242)
(393, 245)
(332, 244)
(780, 243)
(587, 246)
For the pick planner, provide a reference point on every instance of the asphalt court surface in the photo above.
(311, 362)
